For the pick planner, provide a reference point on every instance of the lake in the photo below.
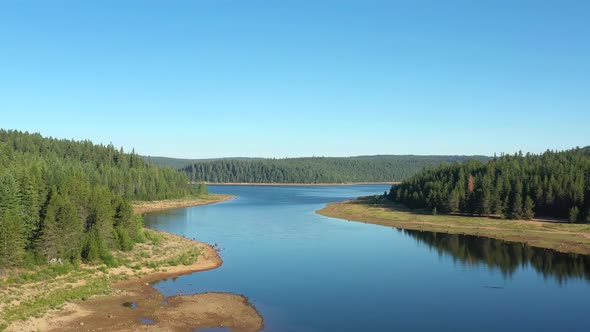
(306, 272)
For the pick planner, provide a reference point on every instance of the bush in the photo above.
(154, 237)
(109, 260)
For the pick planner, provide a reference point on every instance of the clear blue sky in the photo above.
(299, 78)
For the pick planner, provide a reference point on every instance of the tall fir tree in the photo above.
(528, 211)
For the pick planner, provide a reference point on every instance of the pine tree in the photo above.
(123, 211)
(516, 208)
(102, 215)
(62, 230)
(9, 193)
(49, 244)
(30, 202)
(574, 214)
(453, 201)
(484, 196)
(528, 209)
(72, 230)
(12, 242)
(94, 247)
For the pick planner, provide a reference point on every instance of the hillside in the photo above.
(70, 201)
(386, 168)
(178, 163)
(552, 184)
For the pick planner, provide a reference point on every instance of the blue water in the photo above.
(147, 321)
(306, 272)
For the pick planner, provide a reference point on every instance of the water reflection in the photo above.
(306, 272)
(506, 256)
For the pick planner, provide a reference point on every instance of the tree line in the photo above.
(315, 169)
(70, 200)
(552, 184)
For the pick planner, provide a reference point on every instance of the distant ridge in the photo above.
(313, 170)
(180, 163)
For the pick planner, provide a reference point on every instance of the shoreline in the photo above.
(272, 184)
(562, 237)
(124, 282)
(173, 256)
(142, 207)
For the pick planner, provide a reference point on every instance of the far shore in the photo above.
(295, 184)
(550, 234)
(141, 207)
(126, 300)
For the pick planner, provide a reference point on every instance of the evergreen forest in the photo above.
(387, 168)
(65, 200)
(551, 184)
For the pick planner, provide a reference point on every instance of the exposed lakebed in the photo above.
(306, 272)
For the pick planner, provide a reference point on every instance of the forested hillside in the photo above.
(68, 200)
(317, 169)
(179, 163)
(552, 184)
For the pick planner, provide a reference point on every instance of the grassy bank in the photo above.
(271, 184)
(29, 293)
(564, 237)
(141, 207)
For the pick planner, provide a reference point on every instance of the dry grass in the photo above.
(142, 207)
(28, 294)
(564, 237)
(296, 184)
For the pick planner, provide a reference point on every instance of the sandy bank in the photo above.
(139, 307)
(564, 237)
(295, 184)
(142, 207)
(136, 286)
(148, 262)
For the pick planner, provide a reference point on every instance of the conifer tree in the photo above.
(528, 209)
(574, 214)
(49, 242)
(12, 242)
(516, 208)
(102, 215)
